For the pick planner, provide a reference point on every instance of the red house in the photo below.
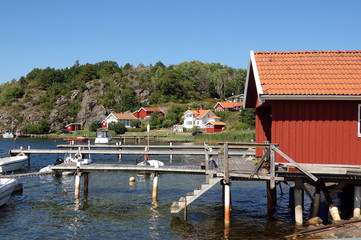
(228, 106)
(144, 112)
(73, 127)
(213, 127)
(309, 103)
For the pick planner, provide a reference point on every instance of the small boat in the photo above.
(12, 163)
(153, 163)
(8, 135)
(7, 186)
(77, 158)
(103, 137)
(76, 139)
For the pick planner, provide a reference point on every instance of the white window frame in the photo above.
(359, 120)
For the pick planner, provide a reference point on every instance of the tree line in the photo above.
(181, 83)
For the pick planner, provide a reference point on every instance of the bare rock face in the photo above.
(143, 95)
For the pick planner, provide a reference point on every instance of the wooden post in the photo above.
(272, 167)
(227, 188)
(271, 197)
(185, 209)
(356, 201)
(316, 201)
(77, 183)
(298, 202)
(155, 187)
(206, 156)
(86, 183)
(170, 149)
(227, 204)
(28, 160)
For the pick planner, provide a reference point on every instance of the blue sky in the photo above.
(42, 33)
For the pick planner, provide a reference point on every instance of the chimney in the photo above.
(201, 107)
(197, 110)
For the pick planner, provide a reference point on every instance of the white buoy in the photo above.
(335, 214)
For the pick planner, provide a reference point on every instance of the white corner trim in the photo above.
(252, 62)
(255, 72)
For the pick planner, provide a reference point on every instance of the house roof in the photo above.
(217, 123)
(229, 104)
(149, 109)
(125, 116)
(315, 73)
(199, 113)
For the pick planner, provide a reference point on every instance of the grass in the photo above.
(227, 136)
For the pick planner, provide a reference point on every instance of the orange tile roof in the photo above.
(218, 123)
(309, 72)
(230, 104)
(124, 116)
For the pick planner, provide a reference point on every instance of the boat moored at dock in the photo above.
(13, 163)
(7, 186)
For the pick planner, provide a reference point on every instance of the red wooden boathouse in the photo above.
(309, 103)
(144, 112)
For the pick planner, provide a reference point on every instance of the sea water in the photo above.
(117, 209)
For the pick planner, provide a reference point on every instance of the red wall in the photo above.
(263, 127)
(219, 108)
(322, 132)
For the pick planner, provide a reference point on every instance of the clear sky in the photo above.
(50, 33)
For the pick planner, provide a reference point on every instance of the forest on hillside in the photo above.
(119, 88)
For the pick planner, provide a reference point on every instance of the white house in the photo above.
(198, 118)
(125, 118)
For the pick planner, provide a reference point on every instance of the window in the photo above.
(359, 120)
(188, 122)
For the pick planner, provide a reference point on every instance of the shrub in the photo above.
(94, 126)
(118, 127)
(241, 126)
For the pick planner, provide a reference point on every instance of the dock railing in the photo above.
(222, 164)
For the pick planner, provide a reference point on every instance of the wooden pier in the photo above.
(223, 164)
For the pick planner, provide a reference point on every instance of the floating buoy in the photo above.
(146, 157)
(64, 192)
(132, 179)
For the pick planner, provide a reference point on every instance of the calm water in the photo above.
(114, 209)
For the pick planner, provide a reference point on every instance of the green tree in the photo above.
(248, 116)
(88, 72)
(94, 126)
(129, 99)
(118, 127)
(136, 123)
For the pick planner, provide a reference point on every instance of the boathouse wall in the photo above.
(317, 132)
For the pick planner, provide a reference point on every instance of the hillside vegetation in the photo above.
(48, 99)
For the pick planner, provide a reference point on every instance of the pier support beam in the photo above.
(298, 202)
(77, 183)
(86, 184)
(356, 201)
(155, 187)
(316, 201)
(170, 149)
(227, 204)
(271, 198)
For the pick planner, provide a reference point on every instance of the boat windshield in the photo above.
(102, 134)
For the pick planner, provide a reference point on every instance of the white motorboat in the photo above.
(12, 163)
(77, 158)
(153, 163)
(8, 135)
(7, 186)
(103, 137)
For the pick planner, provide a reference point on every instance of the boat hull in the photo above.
(6, 189)
(9, 164)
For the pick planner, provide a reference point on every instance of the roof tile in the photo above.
(310, 72)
